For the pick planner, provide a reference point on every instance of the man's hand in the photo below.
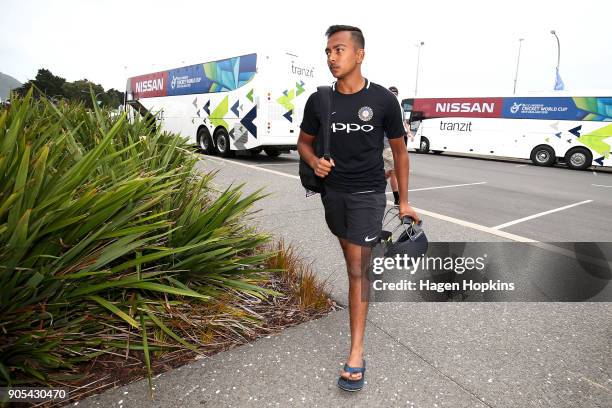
(406, 209)
(322, 167)
(305, 148)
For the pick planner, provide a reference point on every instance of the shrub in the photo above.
(106, 231)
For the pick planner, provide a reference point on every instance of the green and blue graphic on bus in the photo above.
(210, 77)
(558, 108)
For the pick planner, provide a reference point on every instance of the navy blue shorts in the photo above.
(356, 217)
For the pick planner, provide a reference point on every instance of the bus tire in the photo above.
(222, 143)
(272, 152)
(543, 155)
(423, 145)
(578, 158)
(205, 141)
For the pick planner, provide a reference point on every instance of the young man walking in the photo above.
(354, 177)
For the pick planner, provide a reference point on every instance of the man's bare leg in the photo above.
(390, 174)
(393, 181)
(357, 260)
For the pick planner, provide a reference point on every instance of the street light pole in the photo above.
(518, 58)
(558, 81)
(553, 32)
(416, 83)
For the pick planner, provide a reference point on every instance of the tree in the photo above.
(115, 98)
(80, 91)
(47, 83)
(56, 88)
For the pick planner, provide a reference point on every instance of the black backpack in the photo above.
(312, 183)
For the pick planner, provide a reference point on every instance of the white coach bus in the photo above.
(250, 102)
(547, 130)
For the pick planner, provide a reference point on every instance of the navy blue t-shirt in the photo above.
(359, 122)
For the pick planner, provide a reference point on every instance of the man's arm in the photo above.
(402, 170)
(305, 148)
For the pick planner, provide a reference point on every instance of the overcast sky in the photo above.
(470, 46)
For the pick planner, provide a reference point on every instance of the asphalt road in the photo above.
(552, 204)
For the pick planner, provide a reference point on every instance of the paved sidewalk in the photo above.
(419, 354)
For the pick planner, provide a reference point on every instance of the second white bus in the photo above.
(546, 130)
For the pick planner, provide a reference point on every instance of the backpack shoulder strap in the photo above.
(325, 102)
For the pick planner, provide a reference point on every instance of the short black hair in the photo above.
(356, 33)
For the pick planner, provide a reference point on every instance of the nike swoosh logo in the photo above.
(367, 239)
(333, 113)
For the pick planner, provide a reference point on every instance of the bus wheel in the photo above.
(204, 141)
(424, 146)
(272, 152)
(543, 155)
(223, 143)
(578, 158)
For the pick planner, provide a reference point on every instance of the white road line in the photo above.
(594, 173)
(503, 234)
(458, 159)
(212, 159)
(220, 160)
(254, 167)
(521, 165)
(276, 164)
(599, 185)
(507, 224)
(434, 188)
(471, 225)
(514, 237)
(452, 185)
(492, 231)
(467, 224)
(571, 254)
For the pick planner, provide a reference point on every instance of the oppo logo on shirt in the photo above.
(351, 127)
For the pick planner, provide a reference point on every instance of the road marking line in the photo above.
(452, 185)
(217, 159)
(483, 228)
(502, 234)
(220, 160)
(599, 185)
(573, 255)
(594, 173)
(276, 164)
(521, 165)
(514, 237)
(507, 224)
(472, 225)
(434, 188)
(213, 159)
